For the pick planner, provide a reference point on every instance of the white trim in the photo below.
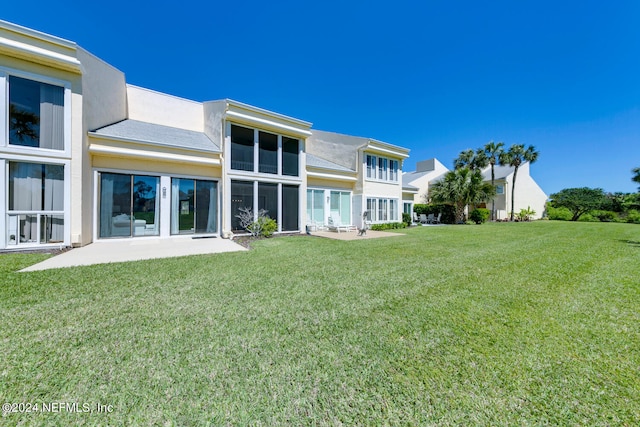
(144, 154)
(331, 176)
(267, 124)
(58, 60)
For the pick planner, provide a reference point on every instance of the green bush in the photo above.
(587, 217)
(633, 216)
(263, 226)
(479, 215)
(558, 214)
(605, 216)
(388, 226)
(406, 218)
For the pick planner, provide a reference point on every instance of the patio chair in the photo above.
(438, 218)
(431, 218)
(415, 217)
(334, 225)
(423, 218)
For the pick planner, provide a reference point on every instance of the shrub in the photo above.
(558, 214)
(406, 218)
(269, 226)
(605, 216)
(263, 226)
(479, 215)
(388, 226)
(633, 216)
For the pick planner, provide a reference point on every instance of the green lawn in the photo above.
(500, 324)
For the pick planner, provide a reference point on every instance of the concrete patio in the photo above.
(103, 252)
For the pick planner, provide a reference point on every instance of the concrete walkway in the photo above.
(107, 251)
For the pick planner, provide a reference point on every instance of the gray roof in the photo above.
(317, 162)
(409, 177)
(500, 172)
(151, 133)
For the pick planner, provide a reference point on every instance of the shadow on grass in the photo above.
(634, 243)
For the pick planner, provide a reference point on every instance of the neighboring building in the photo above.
(426, 172)
(85, 156)
(528, 194)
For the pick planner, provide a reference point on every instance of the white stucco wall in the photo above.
(162, 109)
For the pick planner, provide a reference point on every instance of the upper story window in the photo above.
(36, 114)
(499, 189)
(381, 168)
(276, 154)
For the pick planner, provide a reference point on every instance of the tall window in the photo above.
(268, 199)
(194, 206)
(382, 209)
(371, 166)
(241, 148)
(290, 208)
(241, 197)
(290, 154)
(268, 145)
(315, 206)
(340, 207)
(382, 169)
(36, 203)
(129, 205)
(36, 114)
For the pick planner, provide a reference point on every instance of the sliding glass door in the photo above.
(193, 206)
(129, 205)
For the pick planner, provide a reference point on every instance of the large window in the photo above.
(36, 203)
(194, 206)
(382, 169)
(380, 209)
(290, 154)
(290, 207)
(241, 197)
(36, 114)
(241, 148)
(129, 205)
(268, 146)
(340, 207)
(315, 206)
(279, 200)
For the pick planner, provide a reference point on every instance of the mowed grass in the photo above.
(501, 324)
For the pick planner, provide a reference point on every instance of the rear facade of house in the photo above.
(86, 157)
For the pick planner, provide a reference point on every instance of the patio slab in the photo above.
(104, 252)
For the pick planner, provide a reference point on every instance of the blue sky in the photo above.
(434, 76)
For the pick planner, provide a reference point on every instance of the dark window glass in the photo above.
(290, 208)
(290, 156)
(268, 144)
(241, 148)
(268, 199)
(241, 197)
(206, 207)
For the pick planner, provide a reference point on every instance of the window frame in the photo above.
(5, 73)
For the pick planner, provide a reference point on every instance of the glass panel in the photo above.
(371, 166)
(268, 152)
(290, 150)
(345, 208)
(36, 114)
(241, 148)
(28, 228)
(309, 205)
(146, 206)
(382, 210)
(206, 207)
(115, 205)
(186, 205)
(51, 228)
(290, 212)
(393, 210)
(318, 206)
(371, 209)
(499, 189)
(34, 186)
(268, 199)
(241, 197)
(382, 168)
(334, 205)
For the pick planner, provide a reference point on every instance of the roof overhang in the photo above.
(247, 114)
(41, 48)
(322, 173)
(383, 148)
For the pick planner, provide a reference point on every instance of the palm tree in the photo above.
(517, 155)
(493, 151)
(460, 188)
(636, 176)
(472, 160)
